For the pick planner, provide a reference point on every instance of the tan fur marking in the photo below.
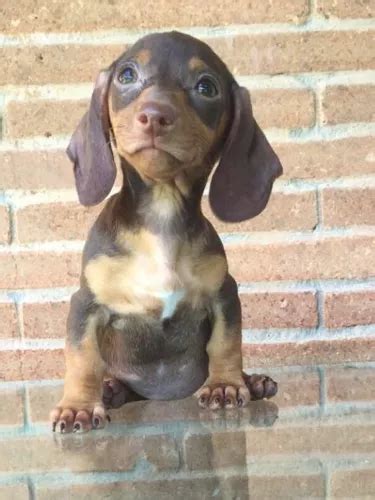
(131, 283)
(196, 64)
(183, 149)
(224, 353)
(143, 56)
(84, 371)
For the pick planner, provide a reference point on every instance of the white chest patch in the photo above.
(170, 302)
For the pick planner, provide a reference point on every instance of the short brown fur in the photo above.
(157, 309)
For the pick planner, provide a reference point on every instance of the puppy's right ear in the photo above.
(89, 148)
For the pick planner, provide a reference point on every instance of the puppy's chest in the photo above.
(153, 276)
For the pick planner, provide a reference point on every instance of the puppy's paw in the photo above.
(67, 417)
(221, 395)
(260, 386)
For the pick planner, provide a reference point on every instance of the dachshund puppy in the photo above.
(157, 312)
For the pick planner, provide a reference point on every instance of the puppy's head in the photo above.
(173, 107)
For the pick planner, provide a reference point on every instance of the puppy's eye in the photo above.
(206, 87)
(127, 75)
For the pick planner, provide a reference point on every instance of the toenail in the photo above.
(62, 426)
(77, 427)
(96, 421)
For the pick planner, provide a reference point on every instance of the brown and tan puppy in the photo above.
(157, 311)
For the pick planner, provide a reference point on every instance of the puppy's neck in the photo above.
(172, 206)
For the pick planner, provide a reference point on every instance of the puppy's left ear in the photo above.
(242, 183)
(90, 149)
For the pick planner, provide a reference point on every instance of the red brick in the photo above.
(33, 65)
(284, 108)
(35, 170)
(314, 259)
(296, 52)
(327, 159)
(9, 324)
(42, 364)
(50, 169)
(350, 384)
(348, 207)
(353, 484)
(14, 491)
(267, 54)
(47, 320)
(346, 8)
(297, 389)
(343, 309)
(10, 365)
(4, 225)
(290, 211)
(39, 270)
(31, 364)
(11, 409)
(205, 488)
(92, 15)
(55, 221)
(308, 353)
(279, 310)
(344, 104)
(229, 449)
(24, 119)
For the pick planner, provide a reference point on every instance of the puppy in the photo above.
(157, 311)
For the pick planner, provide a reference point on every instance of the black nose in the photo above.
(156, 118)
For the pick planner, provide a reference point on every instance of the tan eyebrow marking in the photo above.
(196, 63)
(143, 56)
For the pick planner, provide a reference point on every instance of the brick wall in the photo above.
(305, 266)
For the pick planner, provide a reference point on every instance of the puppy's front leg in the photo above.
(225, 386)
(81, 407)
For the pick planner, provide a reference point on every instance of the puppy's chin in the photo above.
(154, 164)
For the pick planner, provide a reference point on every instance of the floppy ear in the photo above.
(242, 183)
(89, 148)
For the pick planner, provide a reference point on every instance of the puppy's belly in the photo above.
(158, 359)
(166, 380)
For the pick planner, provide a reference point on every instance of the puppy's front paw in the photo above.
(223, 395)
(67, 417)
(260, 386)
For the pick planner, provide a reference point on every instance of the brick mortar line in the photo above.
(258, 238)
(64, 479)
(63, 294)
(20, 198)
(315, 23)
(302, 335)
(295, 81)
(250, 337)
(275, 135)
(274, 464)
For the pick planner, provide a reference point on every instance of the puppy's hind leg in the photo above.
(116, 394)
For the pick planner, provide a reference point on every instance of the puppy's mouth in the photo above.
(154, 147)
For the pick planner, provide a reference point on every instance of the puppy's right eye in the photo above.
(128, 75)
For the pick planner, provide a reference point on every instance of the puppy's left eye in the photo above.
(127, 75)
(206, 87)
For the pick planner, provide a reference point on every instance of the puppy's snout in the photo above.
(155, 118)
